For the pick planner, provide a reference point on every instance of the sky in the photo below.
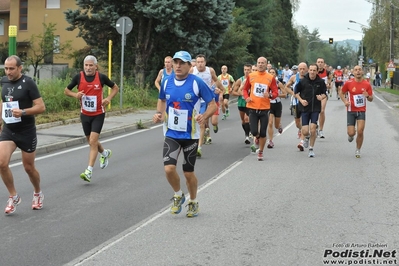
(332, 17)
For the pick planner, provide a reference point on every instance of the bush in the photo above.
(52, 92)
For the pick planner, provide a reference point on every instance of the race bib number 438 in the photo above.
(89, 103)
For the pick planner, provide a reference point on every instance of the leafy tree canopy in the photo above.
(193, 25)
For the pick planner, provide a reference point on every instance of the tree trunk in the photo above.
(144, 47)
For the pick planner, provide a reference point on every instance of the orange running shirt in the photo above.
(256, 85)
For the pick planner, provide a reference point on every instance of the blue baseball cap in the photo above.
(182, 55)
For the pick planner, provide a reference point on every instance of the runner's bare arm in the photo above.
(288, 85)
(157, 81)
(236, 88)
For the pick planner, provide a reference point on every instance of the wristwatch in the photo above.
(23, 112)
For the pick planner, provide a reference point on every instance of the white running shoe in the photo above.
(104, 159)
(306, 142)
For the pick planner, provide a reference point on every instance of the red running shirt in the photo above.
(91, 102)
(355, 94)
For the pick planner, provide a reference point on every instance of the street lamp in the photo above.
(361, 51)
(352, 21)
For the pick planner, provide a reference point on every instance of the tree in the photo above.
(193, 25)
(377, 37)
(307, 42)
(43, 47)
(285, 38)
(233, 52)
(273, 35)
(254, 18)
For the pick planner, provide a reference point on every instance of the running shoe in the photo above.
(12, 204)
(199, 153)
(104, 159)
(177, 202)
(253, 148)
(224, 117)
(350, 138)
(37, 202)
(215, 129)
(247, 141)
(306, 142)
(207, 131)
(321, 134)
(299, 134)
(270, 145)
(300, 146)
(86, 175)
(280, 130)
(311, 153)
(260, 155)
(208, 140)
(227, 112)
(357, 153)
(193, 209)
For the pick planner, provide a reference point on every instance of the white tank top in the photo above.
(204, 75)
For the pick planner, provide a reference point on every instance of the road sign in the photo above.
(391, 66)
(124, 25)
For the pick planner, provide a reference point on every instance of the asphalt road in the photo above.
(79, 216)
(288, 210)
(284, 211)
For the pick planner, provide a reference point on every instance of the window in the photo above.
(56, 44)
(23, 14)
(52, 4)
(1, 26)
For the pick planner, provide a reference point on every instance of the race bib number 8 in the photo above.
(89, 103)
(177, 119)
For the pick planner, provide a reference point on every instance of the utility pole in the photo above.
(391, 46)
(392, 50)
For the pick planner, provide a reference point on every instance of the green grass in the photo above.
(60, 107)
(393, 91)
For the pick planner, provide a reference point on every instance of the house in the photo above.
(29, 16)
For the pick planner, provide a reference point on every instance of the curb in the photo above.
(40, 150)
(77, 120)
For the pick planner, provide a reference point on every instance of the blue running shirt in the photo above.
(183, 102)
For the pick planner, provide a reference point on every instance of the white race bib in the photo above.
(259, 90)
(89, 103)
(177, 119)
(6, 112)
(359, 100)
(225, 83)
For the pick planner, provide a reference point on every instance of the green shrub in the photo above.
(52, 92)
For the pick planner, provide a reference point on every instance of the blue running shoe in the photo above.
(177, 202)
(193, 209)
